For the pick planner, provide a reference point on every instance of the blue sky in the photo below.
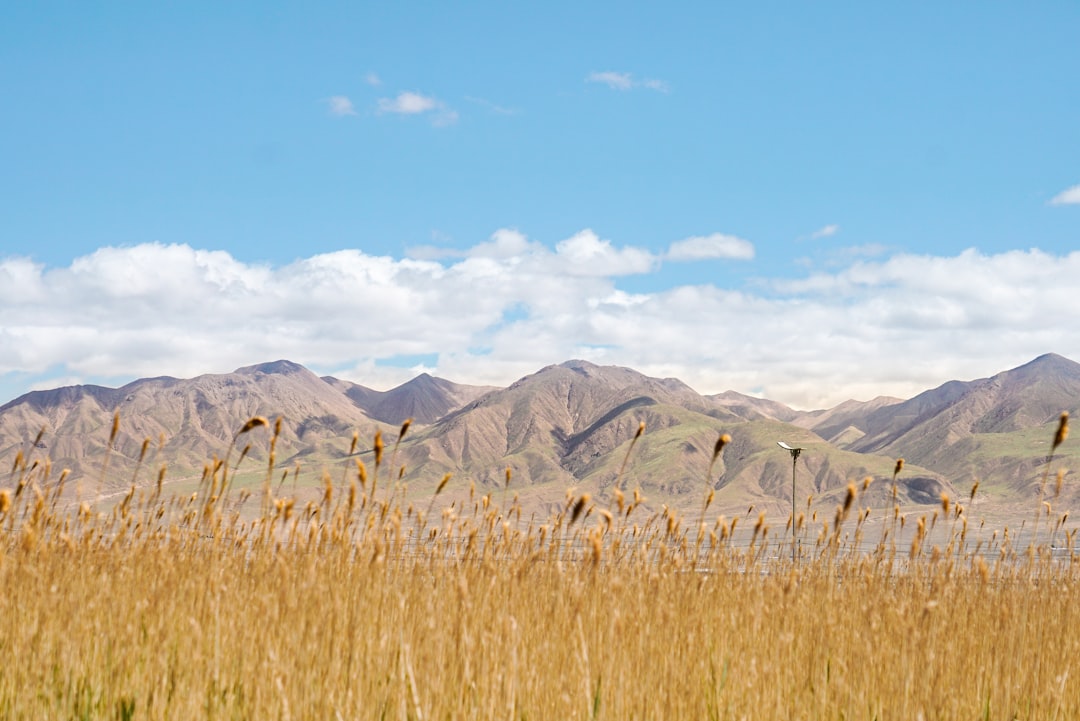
(806, 201)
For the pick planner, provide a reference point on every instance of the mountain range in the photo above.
(567, 425)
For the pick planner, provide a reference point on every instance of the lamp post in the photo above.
(794, 461)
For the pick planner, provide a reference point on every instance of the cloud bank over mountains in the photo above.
(510, 305)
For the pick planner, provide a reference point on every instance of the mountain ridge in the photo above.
(571, 424)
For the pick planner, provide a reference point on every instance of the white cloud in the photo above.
(1069, 196)
(705, 247)
(504, 243)
(827, 232)
(897, 325)
(373, 80)
(615, 81)
(625, 81)
(586, 254)
(408, 103)
(340, 105)
(432, 252)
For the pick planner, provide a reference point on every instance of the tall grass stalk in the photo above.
(341, 606)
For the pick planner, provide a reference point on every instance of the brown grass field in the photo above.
(358, 604)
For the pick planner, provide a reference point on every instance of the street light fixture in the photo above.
(794, 461)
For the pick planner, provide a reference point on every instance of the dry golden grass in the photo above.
(354, 607)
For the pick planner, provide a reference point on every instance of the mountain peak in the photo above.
(1050, 360)
(424, 398)
(577, 364)
(278, 367)
(1048, 368)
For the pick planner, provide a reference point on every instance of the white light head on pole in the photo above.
(790, 449)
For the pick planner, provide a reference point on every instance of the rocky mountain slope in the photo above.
(572, 425)
(995, 429)
(567, 425)
(424, 399)
(188, 421)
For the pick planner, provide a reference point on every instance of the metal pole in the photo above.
(794, 462)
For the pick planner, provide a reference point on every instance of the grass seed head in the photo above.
(379, 446)
(115, 427)
(1062, 430)
(579, 506)
(722, 441)
(442, 484)
(850, 497)
(253, 423)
